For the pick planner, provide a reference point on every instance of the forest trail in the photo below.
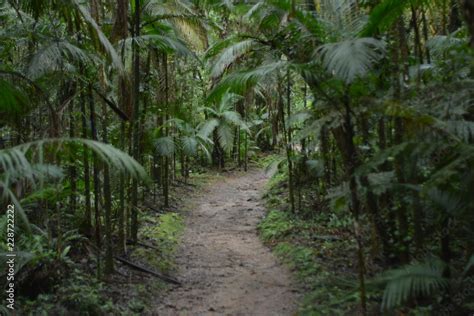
(224, 267)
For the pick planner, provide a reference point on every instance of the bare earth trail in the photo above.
(224, 267)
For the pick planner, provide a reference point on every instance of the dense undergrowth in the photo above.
(53, 283)
(316, 249)
(319, 247)
(105, 104)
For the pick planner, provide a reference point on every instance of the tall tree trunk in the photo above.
(166, 176)
(402, 60)
(455, 21)
(72, 166)
(425, 34)
(109, 255)
(136, 120)
(87, 222)
(289, 150)
(352, 163)
(120, 32)
(96, 180)
(121, 211)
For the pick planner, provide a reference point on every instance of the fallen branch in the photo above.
(152, 208)
(185, 183)
(131, 242)
(143, 269)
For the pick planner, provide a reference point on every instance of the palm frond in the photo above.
(384, 15)
(298, 118)
(56, 56)
(411, 281)
(238, 82)
(108, 47)
(208, 127)
(226, 136)
(447, 202)
(190, 145)
(183, 17)
(439, 45)
(351, 59)
(230, 55)
(469, 265)
(13, 101)
(26, 162)
(163, 43)
(342, 17)
(233, 118)
(165, 146)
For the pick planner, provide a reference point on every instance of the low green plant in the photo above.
(164, 232)
(275, 226)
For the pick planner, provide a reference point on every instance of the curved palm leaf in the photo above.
(17, 163)
(230, 55)
(54, 57)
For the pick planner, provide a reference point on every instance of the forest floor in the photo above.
(223, 265)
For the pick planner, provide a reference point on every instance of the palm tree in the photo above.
(222, 119)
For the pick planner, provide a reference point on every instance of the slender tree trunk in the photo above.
(398, 139)
(351, 164)
(72, 166)
(417, 37)
(454, 17)
(325, 149)
(136, 120)
(425, 34)
(87, 223)
(121, 212)
(166, 176)
(96, 181)
(287, 132)
(109, 255)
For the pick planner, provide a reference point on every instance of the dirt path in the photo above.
(224, 267)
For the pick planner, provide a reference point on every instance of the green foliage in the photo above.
(223, 120)
(165, 146)
(78, 293)
(351, 59)
(422, 279)
(275, 226)
(384, 15)
(230, 55)
(13, 101)
(327, 291)
(165, 232)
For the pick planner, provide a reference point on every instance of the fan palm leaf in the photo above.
(411, 281)
(351, 59)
